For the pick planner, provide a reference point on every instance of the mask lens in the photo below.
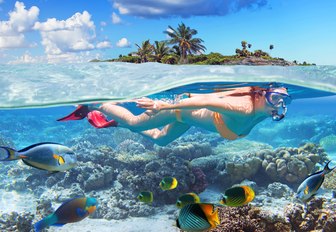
(275, 98)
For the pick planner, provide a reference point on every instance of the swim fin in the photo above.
(98, 120)
(79, 113)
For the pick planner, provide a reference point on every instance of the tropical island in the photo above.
(183, 48)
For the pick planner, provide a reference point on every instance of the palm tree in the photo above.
(145, 51)
(249, 45)
(160, 50)
(176, 50)
(182, 36)
(271, 47)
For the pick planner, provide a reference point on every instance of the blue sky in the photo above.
(80, 30)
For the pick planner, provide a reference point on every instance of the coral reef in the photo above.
(232, 164)
(318, 216)
(291, 165)
(248, 218)
(330, 181)
(14, 221)
(120, 204)
(185, 150)
(329, 143)
(200, 182)
(278, 190)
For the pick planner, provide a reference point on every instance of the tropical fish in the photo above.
(168, 183)
(311, 184)
(197, 217)
(52, 157)
(188, 198)
(73, 210)
(238, 196)
(146, 197)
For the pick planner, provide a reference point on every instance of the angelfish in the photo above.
(73, 210)
(311, 184)
(52, 157)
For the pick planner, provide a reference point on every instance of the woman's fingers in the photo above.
(145, 103)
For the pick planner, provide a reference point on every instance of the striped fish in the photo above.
(238, 196)
(311, 184)
(197, 217)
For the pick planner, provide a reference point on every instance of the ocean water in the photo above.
(115, 164)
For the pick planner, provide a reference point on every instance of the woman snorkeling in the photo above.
(232, 113)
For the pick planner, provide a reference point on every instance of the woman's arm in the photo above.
(241, 104)
(221, 92)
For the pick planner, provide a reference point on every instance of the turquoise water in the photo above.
(114, 164)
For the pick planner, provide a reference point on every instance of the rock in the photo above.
(279, 190)
(291, 178)
(315, 158)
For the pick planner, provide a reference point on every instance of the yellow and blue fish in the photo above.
(168, 183)
(238, 196)
(197, 217)
(188, 198)
(311, 184)
(52, 157)
(73, 210)
(146, 197)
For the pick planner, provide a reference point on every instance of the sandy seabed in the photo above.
(162, 223)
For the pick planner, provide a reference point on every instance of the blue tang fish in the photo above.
(73, 210)
(311, 184)
(52, 157)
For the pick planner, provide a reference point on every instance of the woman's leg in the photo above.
(142, 122)
(168, 134)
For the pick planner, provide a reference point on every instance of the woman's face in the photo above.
(277, 97)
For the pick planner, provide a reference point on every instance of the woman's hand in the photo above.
(149, 104)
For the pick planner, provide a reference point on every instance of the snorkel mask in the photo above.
(278, 100)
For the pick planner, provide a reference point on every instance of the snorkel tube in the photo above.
(275, 114)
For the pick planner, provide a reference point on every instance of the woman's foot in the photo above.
(98, 120)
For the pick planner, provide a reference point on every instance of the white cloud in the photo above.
(71, 35)
(115, 18)
(103, 24)
(104, 44)
(123, 43)
(20, 21)
(25, 59)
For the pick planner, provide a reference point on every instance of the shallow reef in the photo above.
(115, 166)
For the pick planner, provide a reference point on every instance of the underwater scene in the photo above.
(160, 148)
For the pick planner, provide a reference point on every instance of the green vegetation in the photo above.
(183, 38)
(186, 49)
